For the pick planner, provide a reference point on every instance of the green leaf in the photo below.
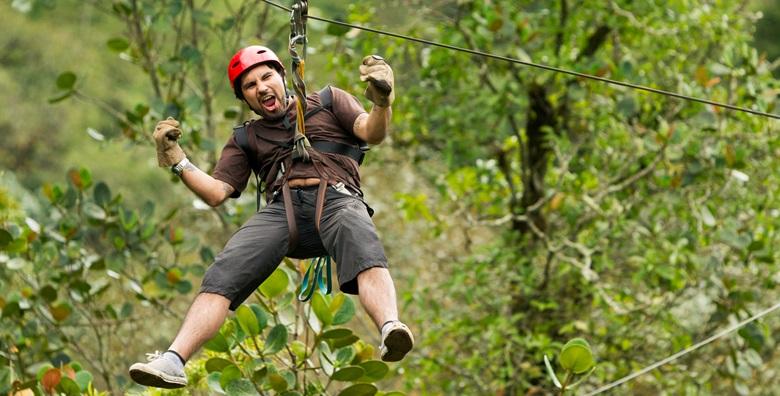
(11, 309)
(375, 370)
(102, 194)
(576, 356)
(299, 349)
(337, 333)
(345, 312)
(350, 373)
(5, 238)
(277, 339)
(359, 390)
(278, 383)
(69, 387)
(18, 245)
(342, 342)
(231, 112)
(259, 374)
(94, 211)
(206, 254)
(344, 356)
(183, 286)
(66, 81)
(321, 309)
(326, 358)
(118, 44)
(213, 380)
(216, 364)
(247, 320)
(217, 344)
(276, 284)
(83, 379)
(229, 373)
(48, 293)
(240, 387)
(261, 315)
(191, 54)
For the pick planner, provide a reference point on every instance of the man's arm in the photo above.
(372, 127)
(166, 135)
(212, 191)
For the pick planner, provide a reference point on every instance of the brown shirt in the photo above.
(335, 124)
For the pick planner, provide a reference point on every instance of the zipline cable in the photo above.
(537, 65)
(684, 351)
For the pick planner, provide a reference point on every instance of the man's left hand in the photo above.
(380, 80)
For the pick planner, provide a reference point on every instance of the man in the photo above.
(327, 187)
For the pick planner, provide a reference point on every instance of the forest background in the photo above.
(519, 208)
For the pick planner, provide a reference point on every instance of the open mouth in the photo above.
(269, 102)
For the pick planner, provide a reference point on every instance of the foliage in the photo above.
(576, 358)
(79, 263)
(71, 269)
(281, 345)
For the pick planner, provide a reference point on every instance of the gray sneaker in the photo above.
(160, 372)
(397, 341)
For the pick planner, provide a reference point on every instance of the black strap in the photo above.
(242, 139)
(354, 152)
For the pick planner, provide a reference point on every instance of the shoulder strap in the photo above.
(242, 139)
(326, 102)
(356, 153)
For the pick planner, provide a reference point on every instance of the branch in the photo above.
(563, 16)
(628, 181)
(137, 32)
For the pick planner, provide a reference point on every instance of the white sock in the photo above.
(174, 358)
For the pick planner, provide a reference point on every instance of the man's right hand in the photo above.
(166, 136)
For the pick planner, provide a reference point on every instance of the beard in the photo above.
(278, 110)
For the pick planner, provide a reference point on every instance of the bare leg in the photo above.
(377, 294)
(203, 320)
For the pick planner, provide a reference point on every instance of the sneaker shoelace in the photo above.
(153, 356)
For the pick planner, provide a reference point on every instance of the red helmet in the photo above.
(249, 57)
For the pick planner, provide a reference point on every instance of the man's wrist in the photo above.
(179, 168)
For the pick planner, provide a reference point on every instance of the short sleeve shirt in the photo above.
(335, 125)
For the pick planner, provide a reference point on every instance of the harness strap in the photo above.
(292, 225)
(321, 190)
(354, 152)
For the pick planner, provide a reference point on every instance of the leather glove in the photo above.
(166, 136)
(380, 80)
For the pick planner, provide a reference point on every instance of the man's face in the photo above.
(263, 89)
